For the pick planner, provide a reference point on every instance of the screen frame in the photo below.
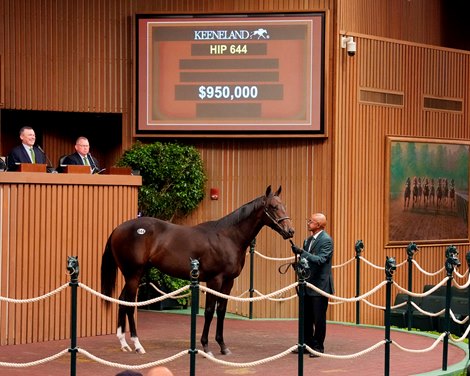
(219, 129)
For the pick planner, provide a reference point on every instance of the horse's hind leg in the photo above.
(121, 330)
(129, 293)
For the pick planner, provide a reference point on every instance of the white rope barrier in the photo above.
(420, 295)
(291, 258)
(343, 264)
(132, 366)
(36, 362)
(424, 271)
(32, 300)
(254, 299)
(461, 287)
(432, 347)
(461, 275)
(171, 297)
(355, 299)
(371, 264)
(133, 304)
(276, 299)
(455, 319)
(247, 364)
(463, 337)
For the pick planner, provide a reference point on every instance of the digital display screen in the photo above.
(230, 74)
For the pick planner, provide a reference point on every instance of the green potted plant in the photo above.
(173, 183)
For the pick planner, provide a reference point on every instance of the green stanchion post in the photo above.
(451, 262)
(252, 266)
(359, 246)
(410, 250)
(194, 312)
(467, 257)
(73, 269)
(390, 267)
(303, 271)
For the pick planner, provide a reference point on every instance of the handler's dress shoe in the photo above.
(296, 351)
(312, 355)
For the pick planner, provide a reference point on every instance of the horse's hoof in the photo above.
(140, 350)
(209, 353)
(226, 352)
(126, 349)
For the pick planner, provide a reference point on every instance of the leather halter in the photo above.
(276, 221)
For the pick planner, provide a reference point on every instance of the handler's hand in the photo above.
(296, 249)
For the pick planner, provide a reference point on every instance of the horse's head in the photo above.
(276, 213)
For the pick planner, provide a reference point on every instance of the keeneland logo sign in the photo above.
(230, 34)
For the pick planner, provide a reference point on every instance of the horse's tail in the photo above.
(108, 270)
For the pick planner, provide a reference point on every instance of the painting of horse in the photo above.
(219, 246)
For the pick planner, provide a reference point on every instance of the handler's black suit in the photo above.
(319, 253)
(19, 155)
(76, 159)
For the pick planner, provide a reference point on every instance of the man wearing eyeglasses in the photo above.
(318, 251)
(82, 156)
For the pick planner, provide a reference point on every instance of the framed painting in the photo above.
(427, 190)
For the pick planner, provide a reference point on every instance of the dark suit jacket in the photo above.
(19, 155)
(76, 159)
(320, 261)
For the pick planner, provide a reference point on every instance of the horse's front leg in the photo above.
(221, 311)
(208, 315)
(219, 333)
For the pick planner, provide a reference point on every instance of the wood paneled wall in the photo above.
(44, 218)
(360, 159)
(78, 56)
(408, 20)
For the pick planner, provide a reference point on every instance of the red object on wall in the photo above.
(214, 193)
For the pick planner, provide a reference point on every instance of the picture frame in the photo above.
(427, 191)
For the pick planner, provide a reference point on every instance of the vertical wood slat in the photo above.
(43, 223)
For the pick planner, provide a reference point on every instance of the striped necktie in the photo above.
(85, 161)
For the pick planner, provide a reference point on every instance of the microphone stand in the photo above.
(49, 163)
(94, 169)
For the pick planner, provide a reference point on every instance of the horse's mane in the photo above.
(237, 215)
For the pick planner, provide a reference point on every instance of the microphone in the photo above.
(49, 163)
(94, 169)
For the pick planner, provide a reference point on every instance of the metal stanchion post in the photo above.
(303, 272)
(390, 267)
(252, 266)
(73, 269)
(451, 262)
(359, 246)
(410, 250)
(467, 257)
(194, 311)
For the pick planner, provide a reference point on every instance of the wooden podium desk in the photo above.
(43, 219)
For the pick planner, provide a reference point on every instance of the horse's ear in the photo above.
(268, 191)
(278, 192)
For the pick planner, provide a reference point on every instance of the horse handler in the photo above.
(318, 251)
